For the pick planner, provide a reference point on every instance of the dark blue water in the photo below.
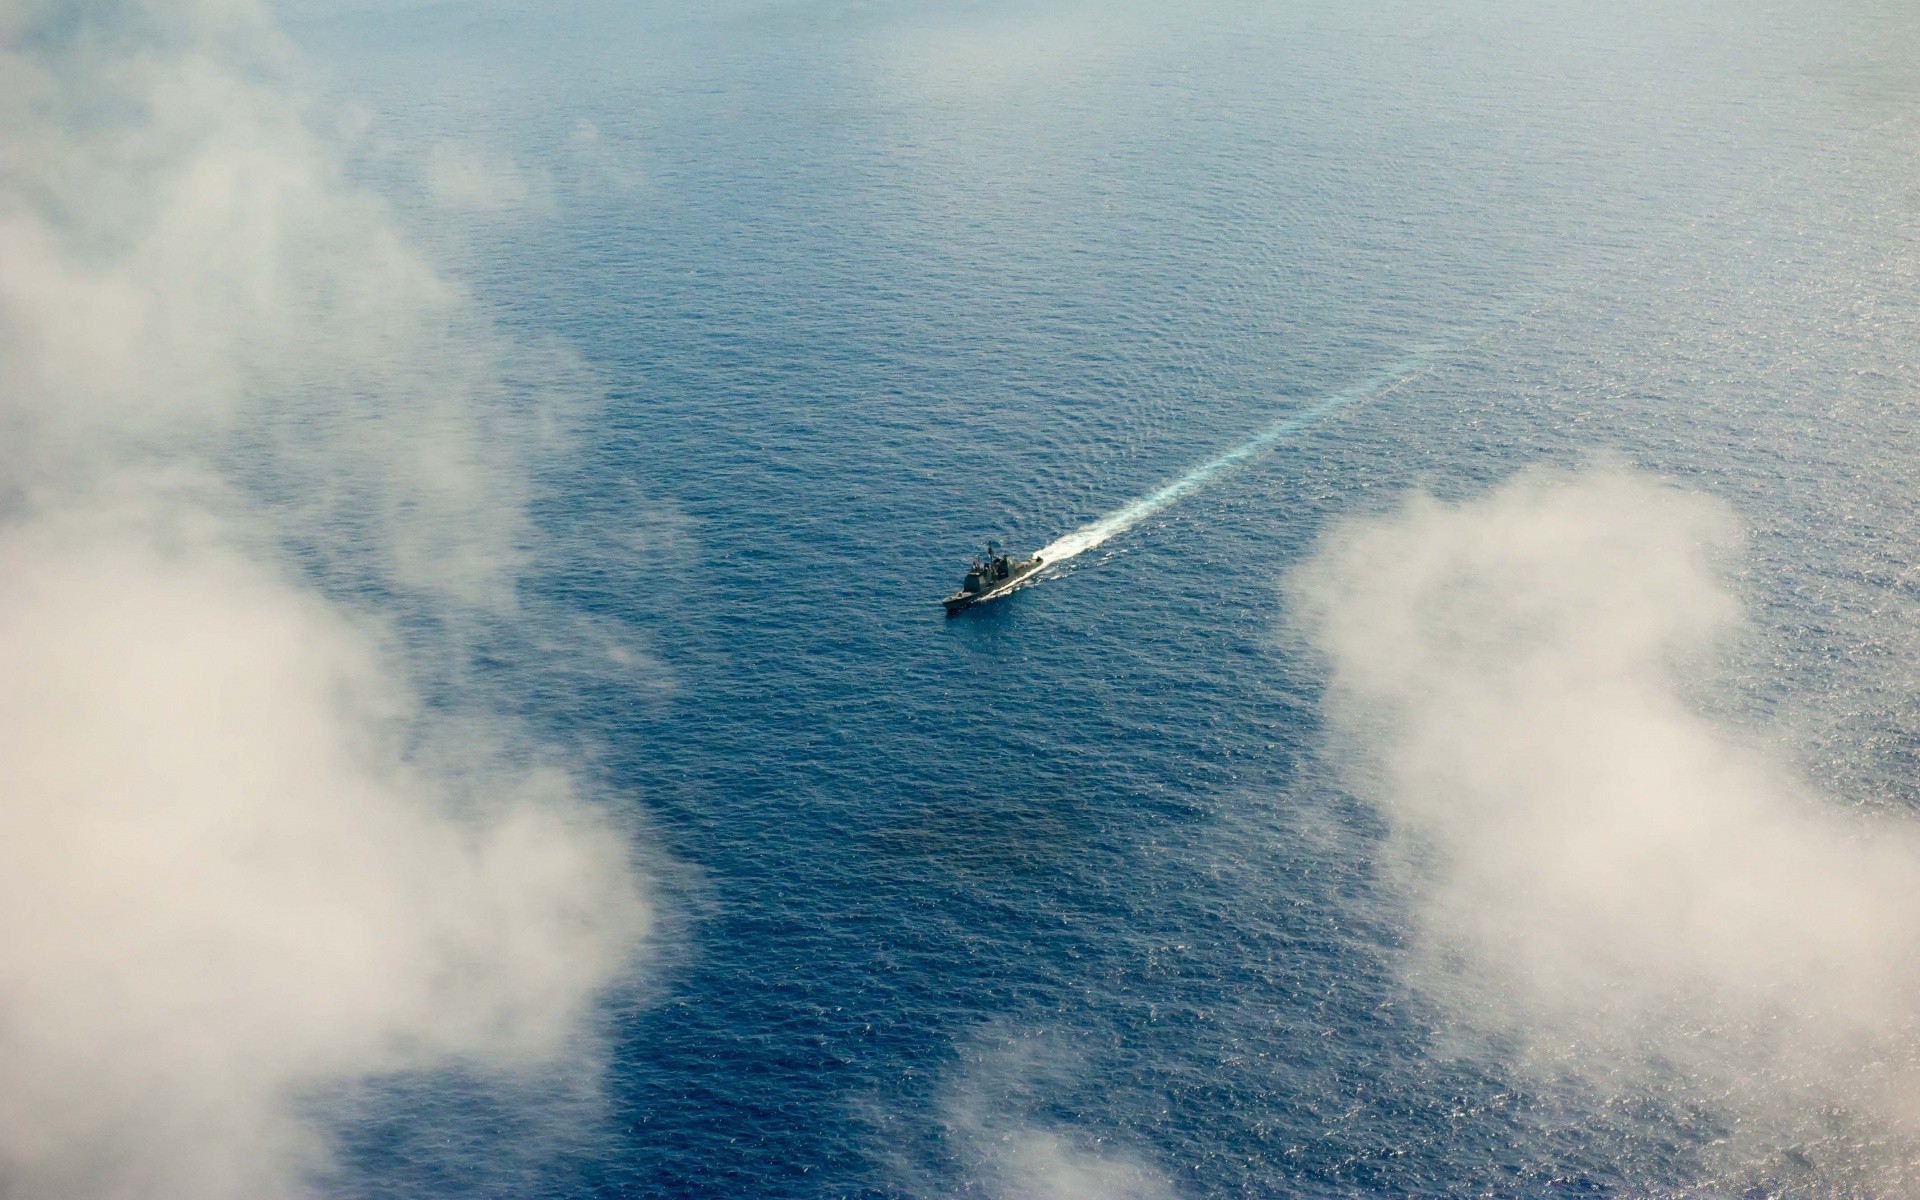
(866, 284)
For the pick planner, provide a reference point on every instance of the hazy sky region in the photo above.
(477, 478)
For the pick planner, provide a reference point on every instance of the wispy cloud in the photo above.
(1634, 895)
(471, 178)
(998, 1131)
(242, 423)
(1006, 55)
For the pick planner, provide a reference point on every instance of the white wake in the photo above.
(1122, 519)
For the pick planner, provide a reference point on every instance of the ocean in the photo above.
(1075, 894)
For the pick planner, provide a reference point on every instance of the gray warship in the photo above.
(995, 575)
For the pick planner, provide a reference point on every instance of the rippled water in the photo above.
(868, 284)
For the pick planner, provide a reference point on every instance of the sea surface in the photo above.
(862, 285)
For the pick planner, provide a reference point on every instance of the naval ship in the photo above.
(996, 575)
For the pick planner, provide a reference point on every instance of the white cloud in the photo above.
(223, 877)
(1038, 1164)
(471, 178)
(1011, 1152)
(602, 161)
(189, 275)
(1002, 55)
(1641, 897)
(244, 862)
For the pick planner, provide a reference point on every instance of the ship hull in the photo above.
(960, 601)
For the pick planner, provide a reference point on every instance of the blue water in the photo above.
(868, 284)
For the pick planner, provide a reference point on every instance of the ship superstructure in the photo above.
(995, 575)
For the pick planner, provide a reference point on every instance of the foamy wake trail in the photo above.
(1120, 520)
